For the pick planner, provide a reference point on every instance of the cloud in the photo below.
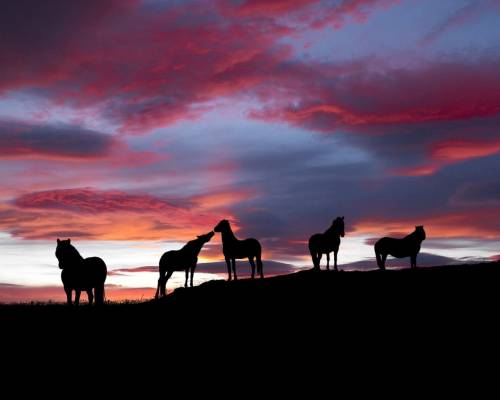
(106, 215)
(367, 97)
(313, 14)
(471, 223)
(478, 194)
(22, 140)
(86, 200)
(466, 14)
(139, 67)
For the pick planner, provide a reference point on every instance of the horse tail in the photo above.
(313, 253)
(99, 294)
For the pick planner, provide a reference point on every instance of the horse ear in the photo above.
(58, 241)
(69, 240)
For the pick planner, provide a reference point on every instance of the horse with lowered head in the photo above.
(234, 248)
(325, 243)
(81, 274)
(184, 259)
(409, 246)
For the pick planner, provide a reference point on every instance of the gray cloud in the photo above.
(19, 139)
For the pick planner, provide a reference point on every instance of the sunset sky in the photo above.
(131, 126)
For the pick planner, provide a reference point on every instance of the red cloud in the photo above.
(145, 68)
(92, 201)
(326, 98)
(451, 151)
(480, 223)
(458, 150)
(311, 13)
(112, 215)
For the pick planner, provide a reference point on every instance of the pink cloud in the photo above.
(443, 153)
(328, 97)
(147, 69)
(88, 213)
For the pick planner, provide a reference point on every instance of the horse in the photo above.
(409, 246)
(184, 259)
(325, 243)
(237, 249)
(80, 273)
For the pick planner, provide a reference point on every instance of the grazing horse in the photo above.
(80, 273)
(184, 259)
(325, 243)
(236, 249)
(409, 246)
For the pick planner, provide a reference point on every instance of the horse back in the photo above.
(177, 260)
(247, 248)
(398, 248)
(321, 243)
(95, 270)
(89, 274)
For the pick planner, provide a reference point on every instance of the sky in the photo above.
(131, 126)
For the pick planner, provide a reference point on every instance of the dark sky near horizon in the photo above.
(133, 125)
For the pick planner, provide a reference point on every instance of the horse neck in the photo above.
(73, 255)
(194, 246)
(332, 231)
(228, 236)
(413, 237)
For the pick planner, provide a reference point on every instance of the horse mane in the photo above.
(333, 228)
(70, 251)
(414, 235)
(195, 244)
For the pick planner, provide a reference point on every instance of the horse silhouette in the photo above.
(184, 259)
(237, 249)
(325, 243)
(409, 246)
(80, 274)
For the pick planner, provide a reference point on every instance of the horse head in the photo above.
(420, 232)
(66, 254)
(206, 237)
(338, 225)
(222, 226)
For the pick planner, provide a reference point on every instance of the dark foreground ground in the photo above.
(375, 323)
(428, 332)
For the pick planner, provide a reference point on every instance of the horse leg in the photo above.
(187, 277)
(319, 261)
(380, 258)
(233, 261)
(99, 294)
(414, 261)
(68, 295)
(77, 297)
(164, 283)
(260, 267)
(158, 288)
(335, 260)
(228, 263)
(328, 261)
(90, 296)
(384, 258)
(192, 274)
(252, 263)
